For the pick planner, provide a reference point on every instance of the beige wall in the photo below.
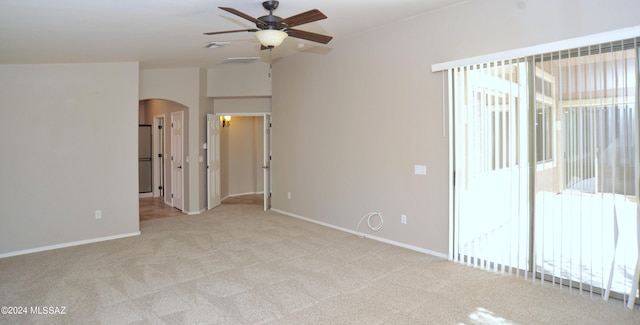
(239, 80)
(68, 134)
(242, 105)
(349, 126)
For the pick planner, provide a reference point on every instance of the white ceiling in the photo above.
(168, 33)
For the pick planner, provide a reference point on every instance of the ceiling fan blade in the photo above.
(231, 31)
(319, 38)
(303, 18)
(243, 15)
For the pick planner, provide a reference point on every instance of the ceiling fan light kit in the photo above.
(271, 37)
(271, 30)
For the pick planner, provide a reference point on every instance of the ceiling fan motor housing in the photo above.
(270, 5)
(270, 21)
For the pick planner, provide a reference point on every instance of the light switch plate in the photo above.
(420, 169)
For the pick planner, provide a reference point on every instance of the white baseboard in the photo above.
(145, 195)
(74, 243)
(240, 194)
(196, 212)
(376, 238)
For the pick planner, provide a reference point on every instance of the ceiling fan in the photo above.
(271, 30)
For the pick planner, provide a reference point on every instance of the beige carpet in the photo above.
(240, 265)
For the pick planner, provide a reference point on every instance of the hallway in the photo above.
(155, 208)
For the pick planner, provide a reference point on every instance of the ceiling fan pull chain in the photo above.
(270, 62)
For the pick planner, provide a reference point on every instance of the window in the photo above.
(545, 99)
(545, 154)
(544, 133)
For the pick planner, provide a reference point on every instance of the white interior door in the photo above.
(213, 161)
(177, 181)
(266, 165)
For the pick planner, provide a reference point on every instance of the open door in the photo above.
(213, 161)
(266, 166)
(177, 180)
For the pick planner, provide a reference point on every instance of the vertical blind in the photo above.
(546, 167)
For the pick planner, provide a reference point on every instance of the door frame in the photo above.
(159, 147)
(266, 160)
(266, 135)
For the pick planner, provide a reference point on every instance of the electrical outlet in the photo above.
(98, 214)
(288, 195)
(403, 219)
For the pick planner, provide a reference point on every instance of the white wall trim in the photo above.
(249, 114)
(195, 212)
(376, 238)
(615, 35)
(64, 245)
(145, 195)
(241, 194)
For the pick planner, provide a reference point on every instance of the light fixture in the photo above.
(271, 37)
(226, 120)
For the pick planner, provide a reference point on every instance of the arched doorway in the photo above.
(169, 123)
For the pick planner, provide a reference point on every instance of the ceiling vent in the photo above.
(240, 59)
(215, 45)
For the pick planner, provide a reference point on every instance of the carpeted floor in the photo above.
(240, 265)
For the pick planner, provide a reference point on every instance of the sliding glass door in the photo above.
(491, 177)
(585, 204)
(546, 167)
